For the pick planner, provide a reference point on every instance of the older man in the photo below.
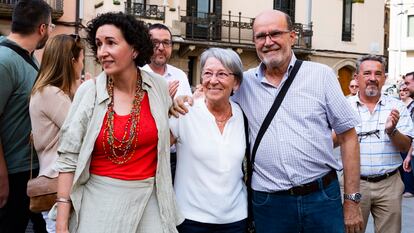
(295, 188)
(296, 151)
(353, 87)
(30, 28)
(386, 130)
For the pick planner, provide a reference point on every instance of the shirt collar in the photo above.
(167, 73)
(259, 73)
(355, 99)
(102, 92)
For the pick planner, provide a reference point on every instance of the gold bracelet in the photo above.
(63, 200)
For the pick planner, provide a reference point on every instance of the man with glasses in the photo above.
(30, 29)
(386, 129)
(176, 78)
(295, 186)
(353, 87)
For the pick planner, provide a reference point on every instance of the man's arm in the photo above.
(348, 141)
(399, 140)
(4, 179)
(6, 90)
(407, 161)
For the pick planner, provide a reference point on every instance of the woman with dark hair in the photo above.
(114, 149)
(52, 94)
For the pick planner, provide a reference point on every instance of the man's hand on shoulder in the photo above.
(179, 105)
(173, 87)
(353, 217)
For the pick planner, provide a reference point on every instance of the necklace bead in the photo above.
(121, 150)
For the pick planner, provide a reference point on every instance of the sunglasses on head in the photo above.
(75, 37)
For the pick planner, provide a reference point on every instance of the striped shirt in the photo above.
(378, 154)
(297, 147)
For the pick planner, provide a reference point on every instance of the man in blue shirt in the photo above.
(295, 188)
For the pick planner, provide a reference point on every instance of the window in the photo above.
(287, 6)
(410, 23)
(207, 19)
(347, 20)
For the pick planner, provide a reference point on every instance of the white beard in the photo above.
(371, 91)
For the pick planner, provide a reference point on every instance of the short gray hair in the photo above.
(370, 57)
(228, 58)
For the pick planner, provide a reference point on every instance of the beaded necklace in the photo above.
(121, 150)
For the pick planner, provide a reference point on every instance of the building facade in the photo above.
(401, 47)
(65, 15)
(333, 32)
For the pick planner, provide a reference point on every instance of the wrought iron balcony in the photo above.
(147, 11)
(230, 28)
(6, 8)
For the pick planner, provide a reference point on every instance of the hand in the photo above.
(198, 93)
(407, 163)
(173, 87)
(4, 189)
(353, 217)
(88, 76)
(179, 107)
(392, 121)
(61, 229)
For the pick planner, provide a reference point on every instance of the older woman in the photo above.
(52, 94)
(114, 149)
(210, 143)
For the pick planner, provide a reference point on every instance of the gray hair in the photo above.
(370, 57)
(228, 58)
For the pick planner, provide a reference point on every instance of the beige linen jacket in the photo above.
(83, 125)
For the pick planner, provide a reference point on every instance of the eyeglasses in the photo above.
(51, 25)
(165, 43)
(353, 86)
(273, 35)
(220, 75)
(75, 37)
(364, 135)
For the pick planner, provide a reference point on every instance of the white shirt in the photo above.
(209, 179)
(173, 73)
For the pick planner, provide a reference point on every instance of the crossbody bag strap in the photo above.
(31, 144)
(273, 110)
(23, 53)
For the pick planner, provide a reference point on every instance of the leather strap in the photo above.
(23, 53)
(269, 117)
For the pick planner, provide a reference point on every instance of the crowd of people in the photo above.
(108, 139)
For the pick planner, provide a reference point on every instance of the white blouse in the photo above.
(209, 179)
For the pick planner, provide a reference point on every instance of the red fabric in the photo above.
(143, 163)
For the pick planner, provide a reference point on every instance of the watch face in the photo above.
(357, 196)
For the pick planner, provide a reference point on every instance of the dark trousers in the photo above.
(190, 226)
(15, 215)
(173, 163)
(407, 178)
(319, 212)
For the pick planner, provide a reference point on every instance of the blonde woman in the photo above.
(51, 97)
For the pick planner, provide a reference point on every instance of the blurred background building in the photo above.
(333, 32)
(401, 49)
